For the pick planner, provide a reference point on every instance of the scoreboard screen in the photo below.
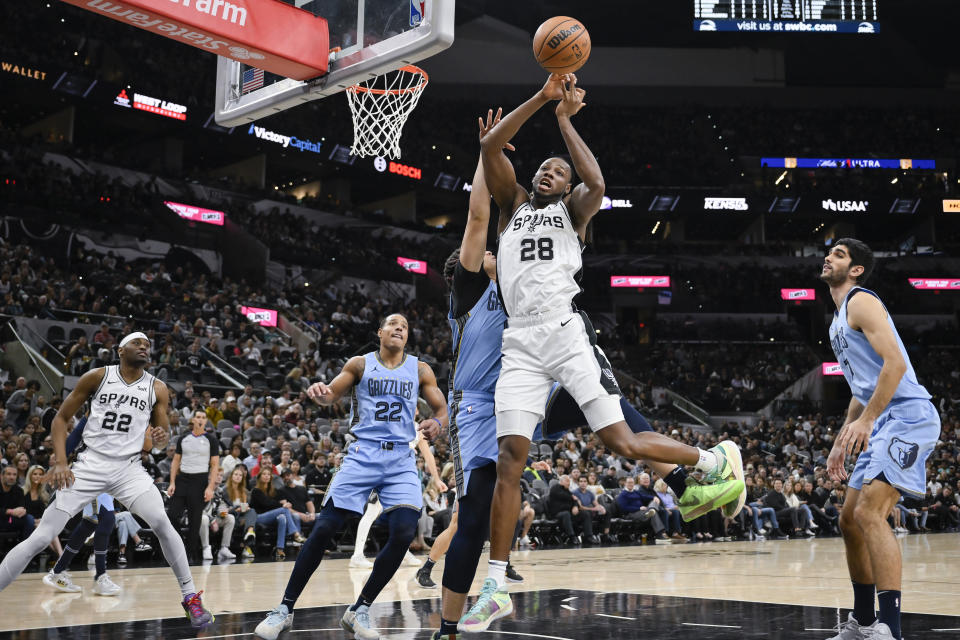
(791, 16)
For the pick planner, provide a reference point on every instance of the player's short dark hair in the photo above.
(860, 254)
(383, 320)
(450, 267)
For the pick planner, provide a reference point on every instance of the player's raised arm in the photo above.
(867, 314)
(501, 177)
(434, 397)
(60, 475)
(587, 196)
(474, 243)
(327, 394)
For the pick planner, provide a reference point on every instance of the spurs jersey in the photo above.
(539, 261)
(119, 414)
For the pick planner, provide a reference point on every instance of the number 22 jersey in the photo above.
(385, 400)
(539, 260)
(119, 414)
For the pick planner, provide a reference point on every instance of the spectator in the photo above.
(22, 404)
(214, 414)
(79, 356)
(257, 433)
(233, 458)
(587, 502)
(238, 501)
(13, 512)
(36, 498)
(563, 506)
(804, 515)
(128, 527)
(610, 480)
(231, 412)
(273, 510)
(776, 500)
(193, 478)
(636, 506)
(668, 506)
(252, 461)
(335, 435)
(301, 504)
(216, 515)
(318, 475)
(945, 507)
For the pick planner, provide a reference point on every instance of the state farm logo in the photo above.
(844, 205)
(562, 35)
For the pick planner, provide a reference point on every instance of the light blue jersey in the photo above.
(906, 432)
(477, 338)
(384, 406)
(860, 362)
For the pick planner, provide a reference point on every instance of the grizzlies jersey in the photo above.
(385, 400)
(119, 414)
(477, 337)
(861, 364)
(539, 261)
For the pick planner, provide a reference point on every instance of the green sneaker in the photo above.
(731, 466)
(699, 499)
(492, 604)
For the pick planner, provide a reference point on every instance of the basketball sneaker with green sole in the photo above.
(492, 604)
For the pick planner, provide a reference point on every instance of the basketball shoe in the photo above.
(850, 629)
(358, 623)
(62, 582)
(104, 586)
(276, 621)
(193, 608)
(359, 562)
(698, 499)
(492, 604)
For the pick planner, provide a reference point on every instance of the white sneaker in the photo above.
(358, 623)
(61, 582)
(226, 554)
(809, 532)
(207, 553)
(849, 629)
(360, 562)
(814, 525)
(525, 541)
(104, 586)
(410, 559)
(878, 631)
(276, 621)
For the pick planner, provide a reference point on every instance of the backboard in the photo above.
(367, 38)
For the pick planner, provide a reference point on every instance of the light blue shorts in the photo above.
(902, 439)
(473, 435)
(367, 467)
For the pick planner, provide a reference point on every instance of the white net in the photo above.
(380, 106)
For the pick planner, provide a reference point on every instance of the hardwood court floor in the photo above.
(622, 592)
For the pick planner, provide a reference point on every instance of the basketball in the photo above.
(561, 45)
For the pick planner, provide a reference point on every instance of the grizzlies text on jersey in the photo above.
(385, 400)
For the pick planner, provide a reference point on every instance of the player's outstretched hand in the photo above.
(572, 99)
(320, 393)
(553, 87)
(60, 476)
(430, 428)
(835, 468)
(491, 122)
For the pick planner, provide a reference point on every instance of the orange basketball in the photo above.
(561, 45)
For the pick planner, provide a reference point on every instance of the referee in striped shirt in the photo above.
(193, 478)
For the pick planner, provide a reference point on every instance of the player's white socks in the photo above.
(498, 571)
(709, 461)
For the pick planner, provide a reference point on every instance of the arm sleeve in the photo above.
(76, 436)
(468, 288)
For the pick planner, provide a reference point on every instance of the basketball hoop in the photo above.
(380, 107)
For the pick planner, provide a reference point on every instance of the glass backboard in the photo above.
(367, 38)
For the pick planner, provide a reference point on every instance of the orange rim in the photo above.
(424, 78)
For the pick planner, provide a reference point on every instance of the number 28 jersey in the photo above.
(119, 414)
(539, 260)
(384, 405)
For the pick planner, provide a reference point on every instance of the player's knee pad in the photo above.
(403, 526)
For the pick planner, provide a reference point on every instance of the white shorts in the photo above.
(94, 473)
(559, 347)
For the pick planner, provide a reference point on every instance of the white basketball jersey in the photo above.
(539, 260)
(119, 414)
